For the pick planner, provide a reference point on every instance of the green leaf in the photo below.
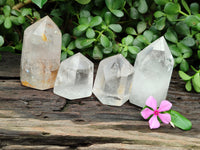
(97, 53)
(159, 14)
(84, 13)
(139, 44)
(171, 35)
(84, 20)
(107, 50)
(83, 2)
(141, 26)
(197, 79)
(172, 17)
(26, 11)
(185, 5)
(115, 27)
(118, 13)
(194, 8)
(95, 21)
(188, 86)
(2, 18)
(161, 2)
(184, 76)
(180, 121)
(196, 82)
(133, 49)
(134, 13)
(6, 10)
(39, 3)
(7, 49)
(191, 21)
(188, 41)
(130, 30)
(148, 35)
(71, 45)
(15, 12)
(90, 33)
(66, 39)
(160, 23)
(143, 39)
(143, 7)
(127, 40)
(198, 53)
(187, 55)
(105, 42)
(78, 42)
(7, 23)
(82, 27)
(182, 28)
(21, 19)
(107, 18)
(70, 52)
(175, 50)
(184, 49)
(184, 66)
(87, 42)
(124, 53)
(1, 40)
(2, 2)
(114, 5)
(178, 60)
(171, 8)
(63, 55)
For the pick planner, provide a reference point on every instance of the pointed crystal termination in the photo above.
(41, 50)
(113, 80)
(153, 68)
(75, 78)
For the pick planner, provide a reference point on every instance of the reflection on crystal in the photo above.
(153, 68)
(75, 77)
(113, 80)
(40, 54)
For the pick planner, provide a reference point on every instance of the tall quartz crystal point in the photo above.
(75, 78)
(113, 80)
(153, 68)
(41, 50)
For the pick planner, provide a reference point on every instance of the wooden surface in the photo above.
(32, 119)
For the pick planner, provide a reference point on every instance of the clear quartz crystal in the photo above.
(75, 78)
(113, 80)
(40, 58)
(153, 69)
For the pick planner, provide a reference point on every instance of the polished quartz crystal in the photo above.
(113, 80)
(75, 78)
(153, 69)
(40, 58)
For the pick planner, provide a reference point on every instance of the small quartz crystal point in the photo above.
(113, 80)
(41, 51)
(153, 69)
(75, 77)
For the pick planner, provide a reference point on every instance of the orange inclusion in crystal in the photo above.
(25, 83)
(44, 38)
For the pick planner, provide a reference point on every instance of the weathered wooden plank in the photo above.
(9, 65)
(30, 117)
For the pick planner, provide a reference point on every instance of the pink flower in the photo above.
(164, 117)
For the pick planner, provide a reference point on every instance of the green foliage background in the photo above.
(101, 28)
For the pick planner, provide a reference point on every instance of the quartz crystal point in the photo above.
(113, 80)
(41, 50)
(153, 68)
(75, 78)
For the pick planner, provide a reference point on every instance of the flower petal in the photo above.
(165, 118)
(165, 106)
(151, 102)
(154, 123)
(146, 113)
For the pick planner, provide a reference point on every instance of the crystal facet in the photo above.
(153, 68)
(113, 80)
(75, 77)
(40, 54)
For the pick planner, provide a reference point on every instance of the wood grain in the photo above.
(33, 119)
